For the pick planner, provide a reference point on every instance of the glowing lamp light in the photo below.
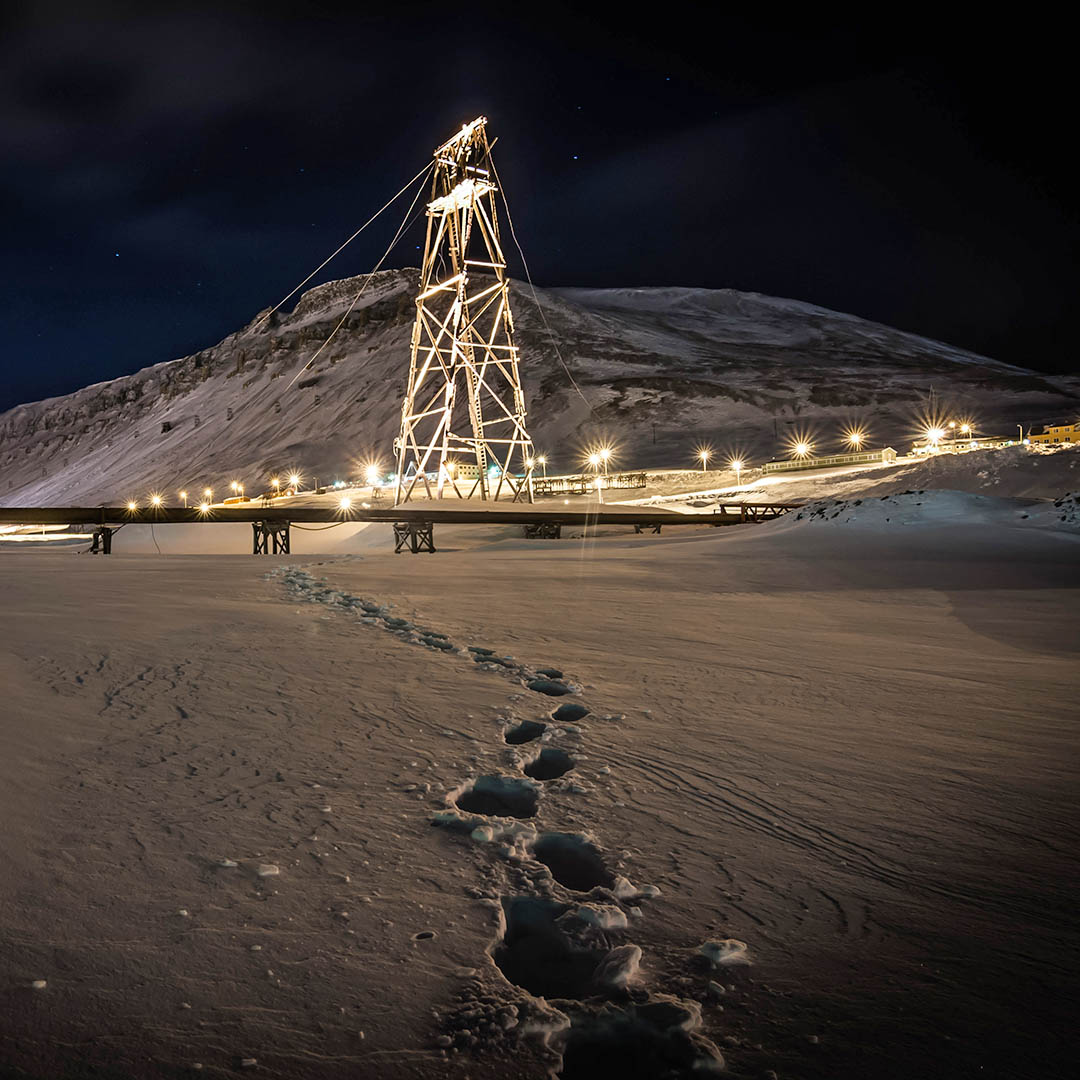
(208, 493)
(276, 482)
(529, 462)
(594, 460)
(132, 507)
(345, 503)
(204, 508)
(155, 500)
(542, 459)
(294, 480)
(371, 474)
(934, 435)
(802, 449)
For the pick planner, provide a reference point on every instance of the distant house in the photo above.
(463, 470)
(1056, 433)
(833, 461)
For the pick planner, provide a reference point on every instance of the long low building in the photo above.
(887, 456)
(962, 445)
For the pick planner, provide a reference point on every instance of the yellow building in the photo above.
(1057, 433)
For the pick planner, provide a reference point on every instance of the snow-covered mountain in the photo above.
(659, 371)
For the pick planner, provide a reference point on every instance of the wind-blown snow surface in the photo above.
(662, 369)
(817, 813)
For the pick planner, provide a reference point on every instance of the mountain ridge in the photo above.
(658, 370)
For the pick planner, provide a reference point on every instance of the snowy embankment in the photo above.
(1015, 471)
(935, 508)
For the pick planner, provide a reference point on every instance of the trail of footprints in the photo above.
(561, 934)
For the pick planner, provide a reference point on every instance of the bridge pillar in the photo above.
(416, 536)
(542, 530)
(102, 542)
(651, 528)
(270, 538)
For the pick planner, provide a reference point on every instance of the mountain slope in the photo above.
(661, 369)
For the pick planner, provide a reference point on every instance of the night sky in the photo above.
(169, 170)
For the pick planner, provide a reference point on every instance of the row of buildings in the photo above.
(1048, 434)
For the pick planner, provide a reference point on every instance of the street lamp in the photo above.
(737, 465)
(183, 495)
(704, 455)
(605, 453)
(543, 464)
(802, 449)
(208, 494)
(294, 481)
(854, 439)
(155, 500)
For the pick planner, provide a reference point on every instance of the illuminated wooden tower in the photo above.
(463, 417)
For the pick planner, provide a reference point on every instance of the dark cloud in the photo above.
(172, 168)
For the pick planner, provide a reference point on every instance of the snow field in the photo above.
(565, 953)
